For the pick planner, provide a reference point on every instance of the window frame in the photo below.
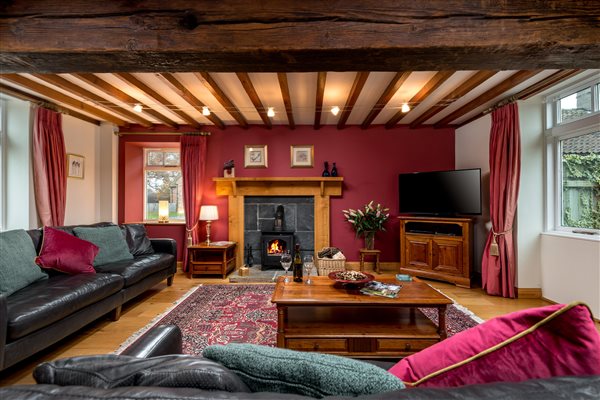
(146, 168)
(3, 171)
(555, 131)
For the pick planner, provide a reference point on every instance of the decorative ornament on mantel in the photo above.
(367, 221)
(229, 169)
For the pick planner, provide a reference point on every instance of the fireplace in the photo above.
(273, 244)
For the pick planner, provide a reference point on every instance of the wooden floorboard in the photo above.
(105, 336)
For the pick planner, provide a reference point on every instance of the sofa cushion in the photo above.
(17, 265)
(66, 253)
(271, 369)
(108, 371)
(556, 340)
(109, 239)
(137, 269)
(137, 239)
(44, 302)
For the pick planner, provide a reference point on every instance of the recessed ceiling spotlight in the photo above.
(138, 108)
(335, 110)
(205, 111)
(405, 108)
(270, 112)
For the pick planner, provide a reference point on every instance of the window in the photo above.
(573, 159)
(163, 181)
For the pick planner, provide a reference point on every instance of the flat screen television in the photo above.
(448, 193)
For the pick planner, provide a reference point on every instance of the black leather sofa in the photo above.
(46, 311)
(165, 340)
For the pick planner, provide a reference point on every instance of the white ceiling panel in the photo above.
(303, 94)
(231, 85)
(269, 92)
(376, 84)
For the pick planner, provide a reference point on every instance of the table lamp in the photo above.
(208, 214)
(163, 211)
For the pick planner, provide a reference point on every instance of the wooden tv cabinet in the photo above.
(437, 248)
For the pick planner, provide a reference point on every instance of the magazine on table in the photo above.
(375, 288)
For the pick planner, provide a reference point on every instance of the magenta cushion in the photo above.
(66, 253)
(567, 343)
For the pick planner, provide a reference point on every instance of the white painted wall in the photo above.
(107, 171)
(20, 202)
(571, 270)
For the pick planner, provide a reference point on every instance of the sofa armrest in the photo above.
(158, 341)
(165, 245)
(3, 327)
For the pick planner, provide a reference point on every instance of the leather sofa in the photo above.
(165, 340)
(46, 311)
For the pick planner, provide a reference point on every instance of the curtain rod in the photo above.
(501, 103)
(117, 132)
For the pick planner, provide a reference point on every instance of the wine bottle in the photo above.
(297, 265)
(326, 169)
(334, 170)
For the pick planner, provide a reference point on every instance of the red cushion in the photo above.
(66, 253)
(555, 340)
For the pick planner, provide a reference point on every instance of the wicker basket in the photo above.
(327, 265)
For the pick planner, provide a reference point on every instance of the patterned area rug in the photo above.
(220, 314)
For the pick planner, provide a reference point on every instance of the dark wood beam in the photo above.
(178, 87)
(222, 98)
(430, 87)
(38, 100)
(546, 83)
(117, 93)
(69, 86)
(59, 97)
(321, 79)
(144, 36)
(251, 92)
(471, 83)
(490, 94)
(385, 97)
(285, 95)
(357, 86)
(130, 79)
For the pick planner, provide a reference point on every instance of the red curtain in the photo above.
(498, 264)
(193, 163)
(49, 167)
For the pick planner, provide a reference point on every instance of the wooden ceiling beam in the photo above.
(471, 83)
(321, 79)
(222, 98)
(9, 90)
(251, 92)
(357, 86)
(546, 83)
(56, 36)
(131, 80)
(287, 100)
(385, 97)
(59, 97)
(178, 87)
(430, 87)
(507, 84)
(117, 93)
(69, 86)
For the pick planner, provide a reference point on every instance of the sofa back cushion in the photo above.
(137, 239)
(17, 262)
(66, 253)
(109, 239)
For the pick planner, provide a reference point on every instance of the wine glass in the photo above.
(286, 262)
(309, 263)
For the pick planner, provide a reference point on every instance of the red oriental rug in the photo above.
(221, 314)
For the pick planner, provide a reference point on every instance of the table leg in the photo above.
(281, 325)
(442, 322)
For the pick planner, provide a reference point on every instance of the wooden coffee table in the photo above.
(331, 318)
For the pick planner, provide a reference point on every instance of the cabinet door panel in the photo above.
(447, 256)
(418, 253)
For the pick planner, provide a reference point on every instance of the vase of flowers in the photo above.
(367, 221)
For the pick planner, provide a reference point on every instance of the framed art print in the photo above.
(255, 156)
(302, 156)
(75, 166)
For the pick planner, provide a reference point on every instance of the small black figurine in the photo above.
(249, 257)
(326, 170)
(334, 170)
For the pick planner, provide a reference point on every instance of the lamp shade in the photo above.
(209, 213)
(163, 210)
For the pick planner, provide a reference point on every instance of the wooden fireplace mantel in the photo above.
(320, 188)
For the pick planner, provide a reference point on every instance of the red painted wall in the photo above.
(368, 160)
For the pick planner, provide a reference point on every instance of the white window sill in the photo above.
(571, 235)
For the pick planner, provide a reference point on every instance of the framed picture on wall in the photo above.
(302, 156)
(75, 166)
(255, 156)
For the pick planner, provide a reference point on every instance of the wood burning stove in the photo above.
(273, 244)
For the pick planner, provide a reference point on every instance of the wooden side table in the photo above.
(211, 259)
(366, 253)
